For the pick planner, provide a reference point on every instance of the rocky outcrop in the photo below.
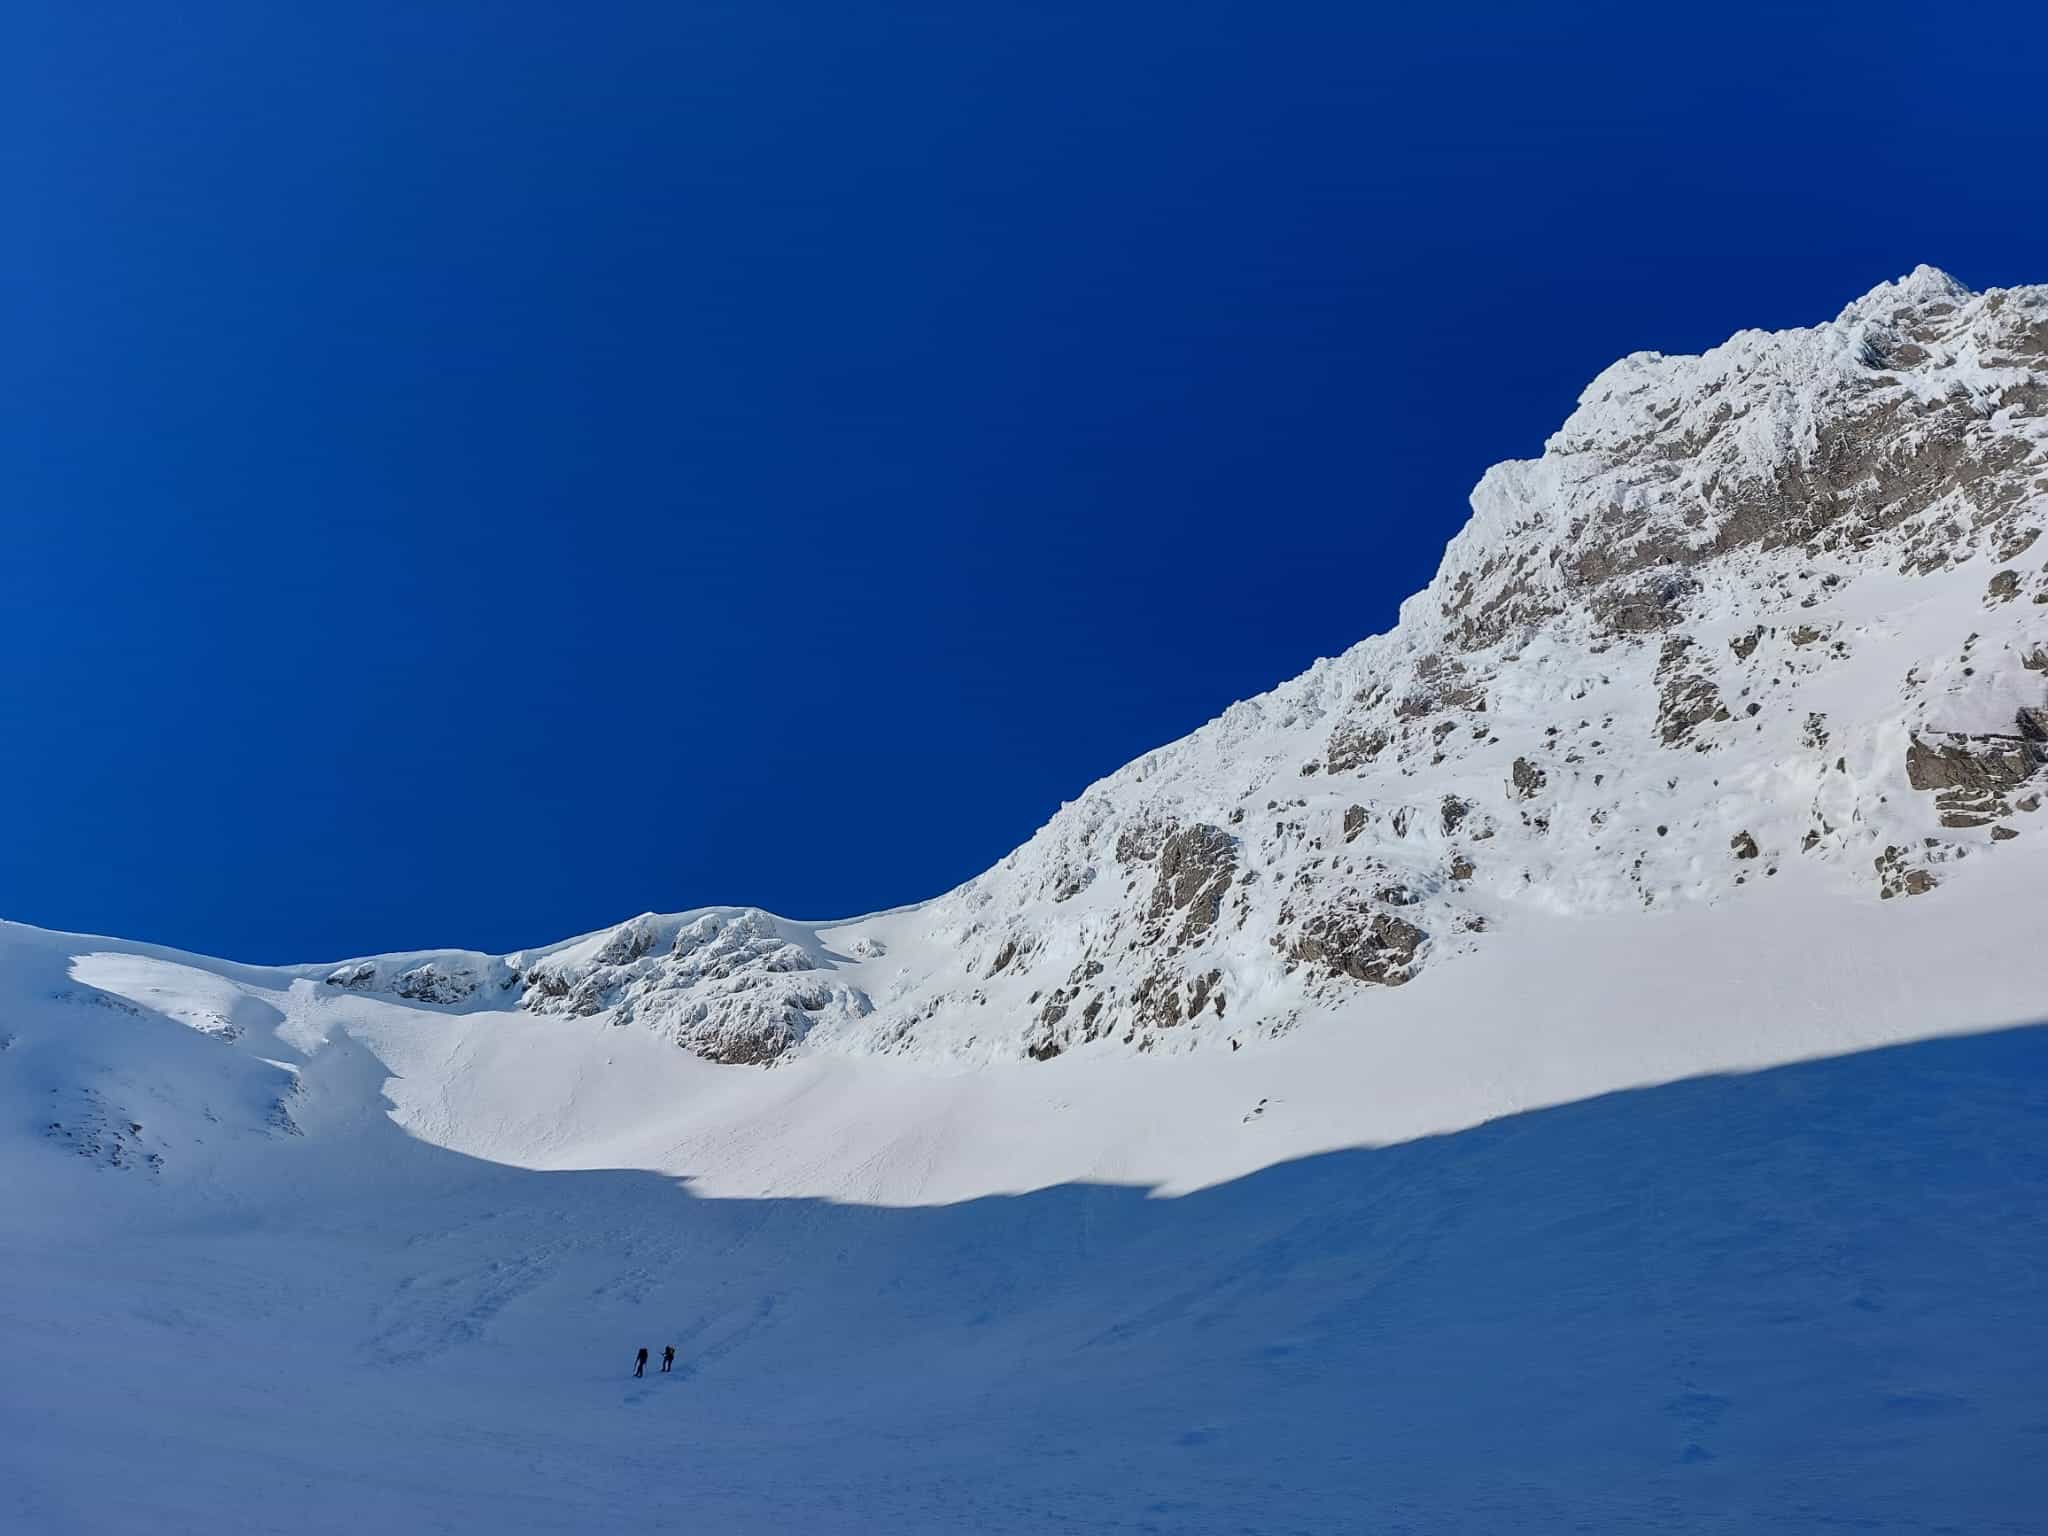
(1196, 865)
(1972, 777)
(1524, 779)
(1896, 877)
(432, 984)
(1367, 946)
(1685, 698)
(1352, 746)
(443, 982)
(731, 985)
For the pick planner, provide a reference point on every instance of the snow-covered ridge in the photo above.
(1774, 613)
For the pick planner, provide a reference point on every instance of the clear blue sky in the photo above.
(476, 471)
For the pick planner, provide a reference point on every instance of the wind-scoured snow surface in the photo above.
(1577, 1060)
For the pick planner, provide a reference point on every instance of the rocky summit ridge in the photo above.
(1778, 611)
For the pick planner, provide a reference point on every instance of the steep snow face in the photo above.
(1776, 608)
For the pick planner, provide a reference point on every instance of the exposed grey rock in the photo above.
(1141, 842)
(1895, 877)
(1196, 865)
(1973, 775)
(1372, 947)
(1685, 699)
(1352, 746)
(442, 982)
(730, 986)
(431, 983)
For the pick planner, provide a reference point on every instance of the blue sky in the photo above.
(477, 471)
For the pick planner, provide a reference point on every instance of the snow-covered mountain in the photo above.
(1717, 746)
(1764, 631)
(1779, 605)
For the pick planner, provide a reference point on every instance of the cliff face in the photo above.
(1775, 612)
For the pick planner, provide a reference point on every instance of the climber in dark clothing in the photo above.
(668, 1357)
(640, 1363)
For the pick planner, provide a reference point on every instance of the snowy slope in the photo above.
(1322, 1124)
(1213, 1291)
